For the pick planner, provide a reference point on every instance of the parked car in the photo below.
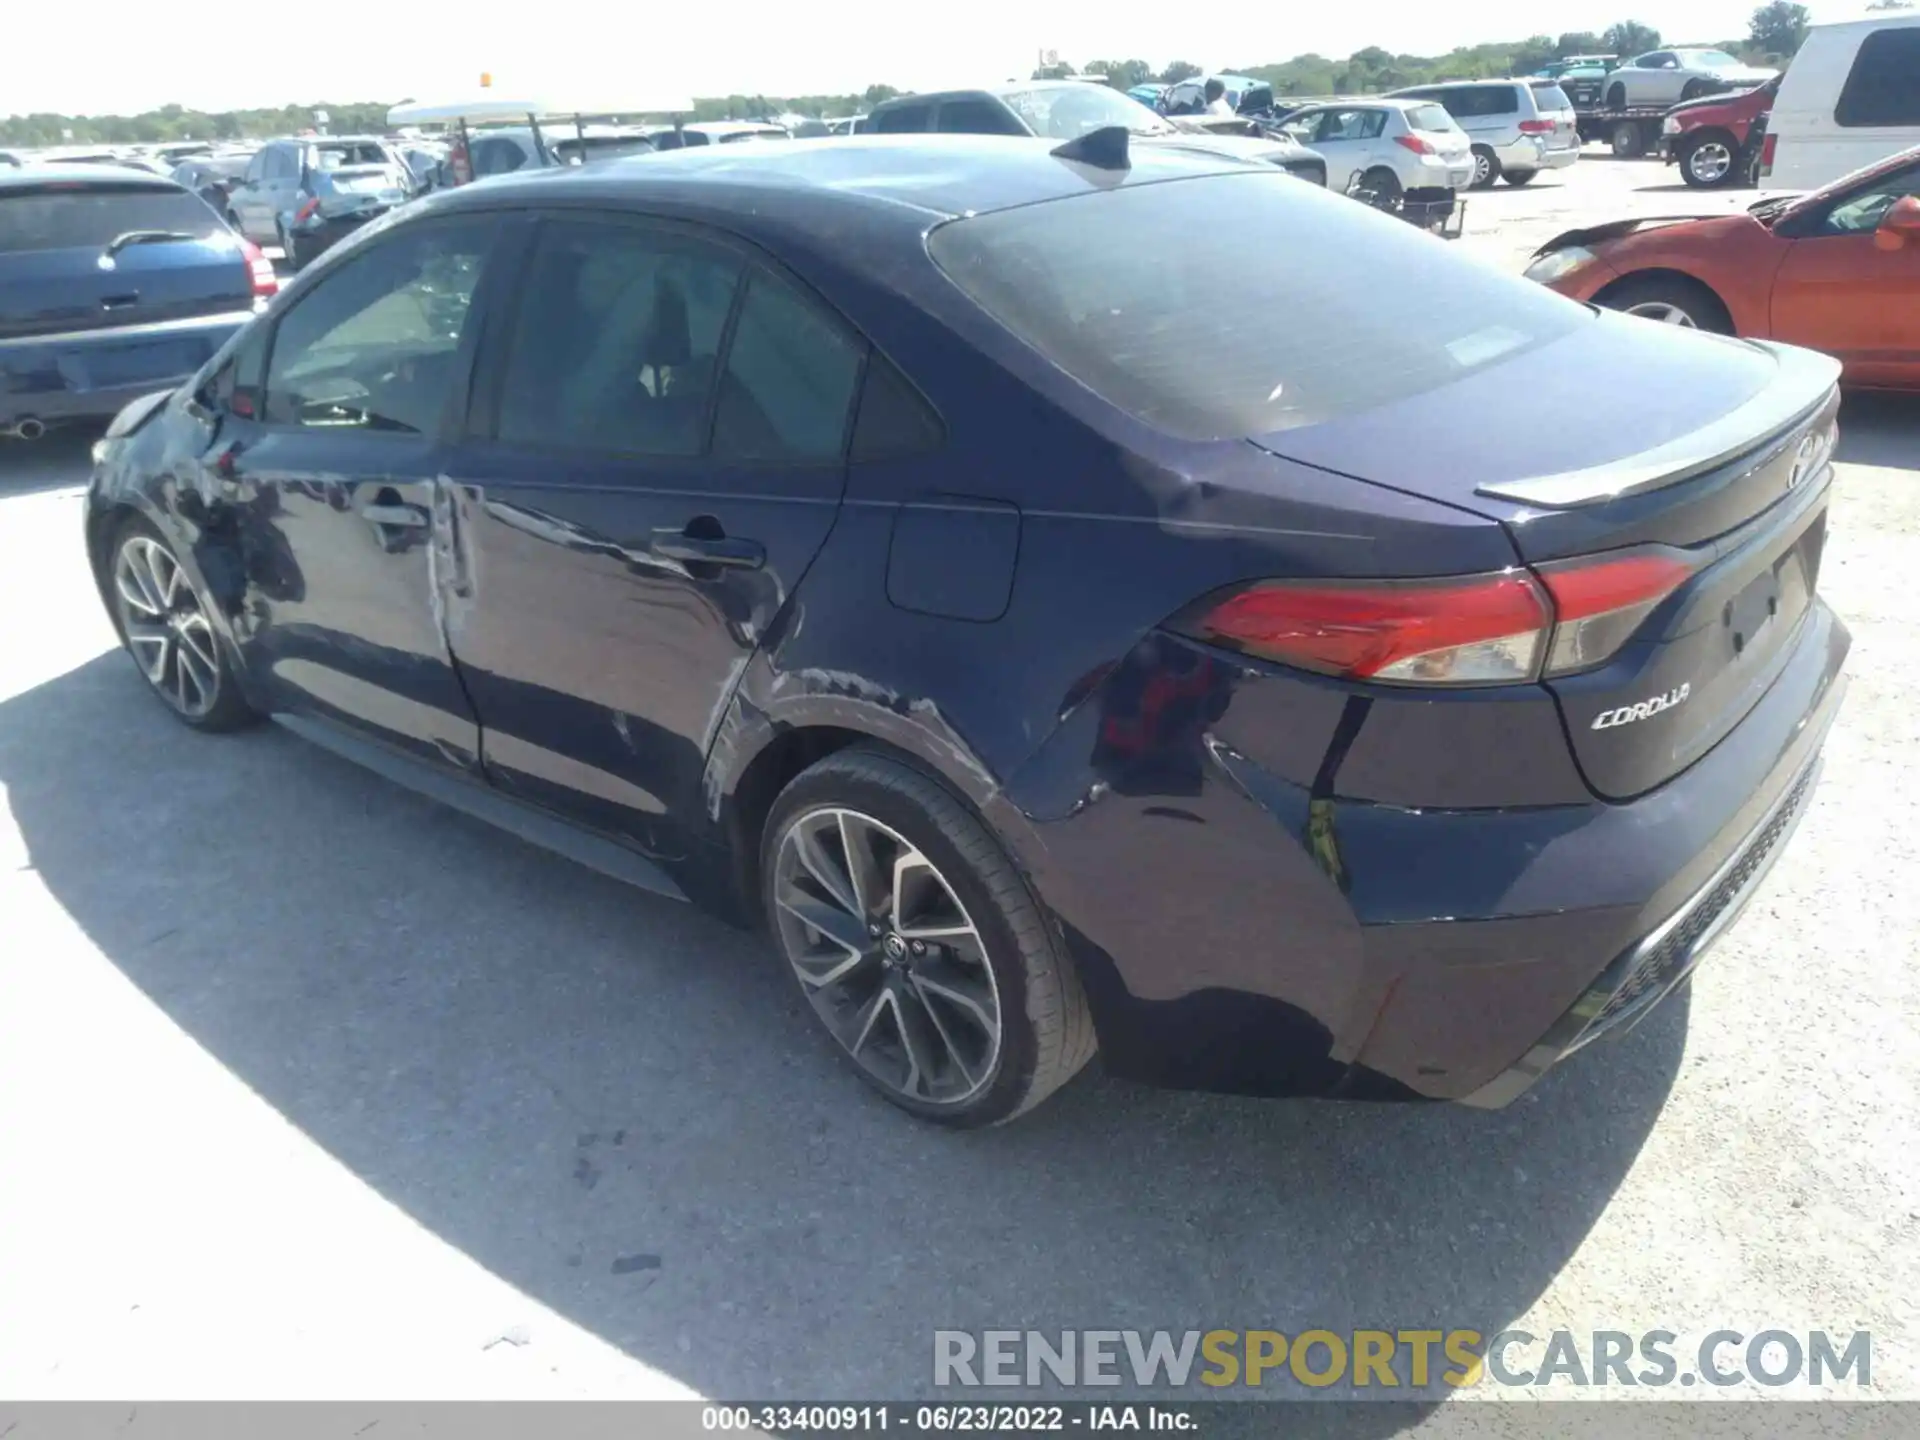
(1837, 270)
(1583, 77)
(1666, 77)
(8, 158)
(112, 283)
(713, 132)
(1517, 127)
(306, 195)
(1069, 109)
(1850, 97)
(1576, 65)
(1151, 96)
(1716, 140)
(1196, 660)
(847, 125)
(212, 177)
(1246, 95)
(1395, 149)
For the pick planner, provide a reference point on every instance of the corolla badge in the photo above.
(1627, 714)
(1815, 449)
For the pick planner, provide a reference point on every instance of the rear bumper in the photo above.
(1274, 942)
(90, 374)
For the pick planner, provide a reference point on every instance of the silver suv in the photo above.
(1517, 127)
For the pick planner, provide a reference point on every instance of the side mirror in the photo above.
(1900, 226)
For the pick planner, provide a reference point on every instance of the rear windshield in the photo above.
(1242, 304)
(341, 154)
(1551, 97)
(87, 216)
(1430, 117)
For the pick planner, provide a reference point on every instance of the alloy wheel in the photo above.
(1482, 167)
(887, 956)
(166, 625)
(1709, 162)
(1664, 311)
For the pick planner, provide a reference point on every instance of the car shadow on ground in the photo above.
(59, 460)
(621, 1108)
(1880, 428)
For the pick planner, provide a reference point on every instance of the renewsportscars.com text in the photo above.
(1394, 1359)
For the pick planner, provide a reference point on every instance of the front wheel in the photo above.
(1670, 300)
(167, 627)
(1708, 162)
(917, 944)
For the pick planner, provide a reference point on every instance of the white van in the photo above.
(1851, 97)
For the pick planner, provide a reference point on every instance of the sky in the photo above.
(125, 56)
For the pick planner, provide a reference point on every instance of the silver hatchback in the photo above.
(1517, 127)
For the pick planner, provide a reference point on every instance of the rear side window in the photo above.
(907, 120)
(790, 378)
(1883, 88)
(497, 156)
(1551, 97)
(1475, 100)
(90, 216)
(617, 340)
(975, 117)
(894, 419)
(1430, 117)
(1194, 330)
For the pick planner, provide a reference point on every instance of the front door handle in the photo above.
(708, 550)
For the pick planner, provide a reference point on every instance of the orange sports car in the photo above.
(1837, 270)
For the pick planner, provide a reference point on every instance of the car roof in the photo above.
(37, 177)
(1467, 84)
(810, 186)
(1353, 102)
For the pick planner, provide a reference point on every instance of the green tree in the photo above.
(1179, 70)
(875, 94)
(1578, 42)
(1779, 27)
(1628, 38)
(1125, 74)
(1530, 54)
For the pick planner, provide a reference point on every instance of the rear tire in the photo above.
(1486, 167)
(165, 624)
(290, 248)
(864, 833)
(1693, 90)
(1669, 299)
(1627, 141)
(1386, 187)
(1616, 96)
(1520, 177)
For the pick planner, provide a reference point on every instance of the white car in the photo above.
(1666, 77)
(1396, 148)
(1517, 127)
(1850, 98)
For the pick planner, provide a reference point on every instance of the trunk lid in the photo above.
(60, 272)
(1721, 463)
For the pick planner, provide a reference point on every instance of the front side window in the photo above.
(617, 340)
(373, 346)
(1711, 60)
(790, 378)
(1114, 286)
(1862, 212)
(1883, 88)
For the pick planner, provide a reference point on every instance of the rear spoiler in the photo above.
(1805, 383)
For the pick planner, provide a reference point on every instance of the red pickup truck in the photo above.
(1716, 140)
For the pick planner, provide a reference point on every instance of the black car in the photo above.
(1057, 623)
(112, 282)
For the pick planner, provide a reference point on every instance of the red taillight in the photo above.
(259, 268)
(1767, 147)
(1599, 603)
(1415, 144)
(1536, 127)
(1464, 630)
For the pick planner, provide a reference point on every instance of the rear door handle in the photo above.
(407, 517)
(700, 550)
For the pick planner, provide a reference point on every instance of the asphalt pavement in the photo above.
(309, 1088)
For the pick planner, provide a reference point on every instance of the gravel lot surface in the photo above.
(309, 1088)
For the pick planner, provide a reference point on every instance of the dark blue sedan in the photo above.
(111, 282)
(1059, 623)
